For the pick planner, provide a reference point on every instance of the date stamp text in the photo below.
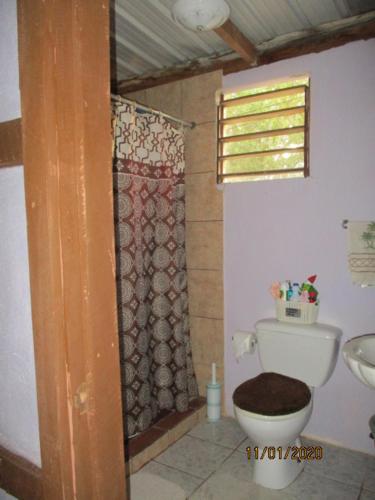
(279, 453)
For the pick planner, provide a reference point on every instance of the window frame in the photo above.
(222, 177)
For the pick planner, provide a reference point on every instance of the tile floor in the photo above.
(210, 463)
(166, 431)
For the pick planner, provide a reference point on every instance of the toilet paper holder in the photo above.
(243, 342)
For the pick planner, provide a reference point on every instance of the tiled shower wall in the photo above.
(193, 99)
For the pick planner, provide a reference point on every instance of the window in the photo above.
(263, 132)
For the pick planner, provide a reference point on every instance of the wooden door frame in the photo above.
(66, 138)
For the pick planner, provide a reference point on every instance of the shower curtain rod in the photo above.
(151, 110)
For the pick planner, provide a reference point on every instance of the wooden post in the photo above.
(64, 72)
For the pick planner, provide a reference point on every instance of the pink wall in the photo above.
(292, 228)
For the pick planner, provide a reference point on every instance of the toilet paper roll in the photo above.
(243, 342)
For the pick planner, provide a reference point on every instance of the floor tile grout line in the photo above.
(213, 472)
(242, 442)
(202, 480)
(175, 469)
(212, 442)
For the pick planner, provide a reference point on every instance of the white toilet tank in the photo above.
(306, 352)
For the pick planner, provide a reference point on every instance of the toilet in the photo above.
(274, 407)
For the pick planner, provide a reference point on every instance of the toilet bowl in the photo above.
(276, 433)
(299, 358)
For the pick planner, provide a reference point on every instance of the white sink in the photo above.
(359, 355)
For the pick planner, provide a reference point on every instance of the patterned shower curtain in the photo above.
(155, 351)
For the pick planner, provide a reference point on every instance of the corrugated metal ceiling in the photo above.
(145, 39)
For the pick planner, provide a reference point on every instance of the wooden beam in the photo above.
(19, 477)
(308, 43)
(64, 82)
(167, 76)
(312, 43)
(237, 41)
(10, 143)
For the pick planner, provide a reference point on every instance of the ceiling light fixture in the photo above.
(200, 15)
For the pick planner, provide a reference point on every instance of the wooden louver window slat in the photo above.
(250, 135)
(262, 96)
(280, 171)
(268, 152)
(258, 135)
(264, 115)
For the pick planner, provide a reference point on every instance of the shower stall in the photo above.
(157, 371)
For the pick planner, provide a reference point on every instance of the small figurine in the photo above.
(308, 287)
(275, 290)
(295, 292)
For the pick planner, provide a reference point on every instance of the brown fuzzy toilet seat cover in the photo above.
(272, 394)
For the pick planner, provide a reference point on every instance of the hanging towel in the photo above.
(361, 252)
